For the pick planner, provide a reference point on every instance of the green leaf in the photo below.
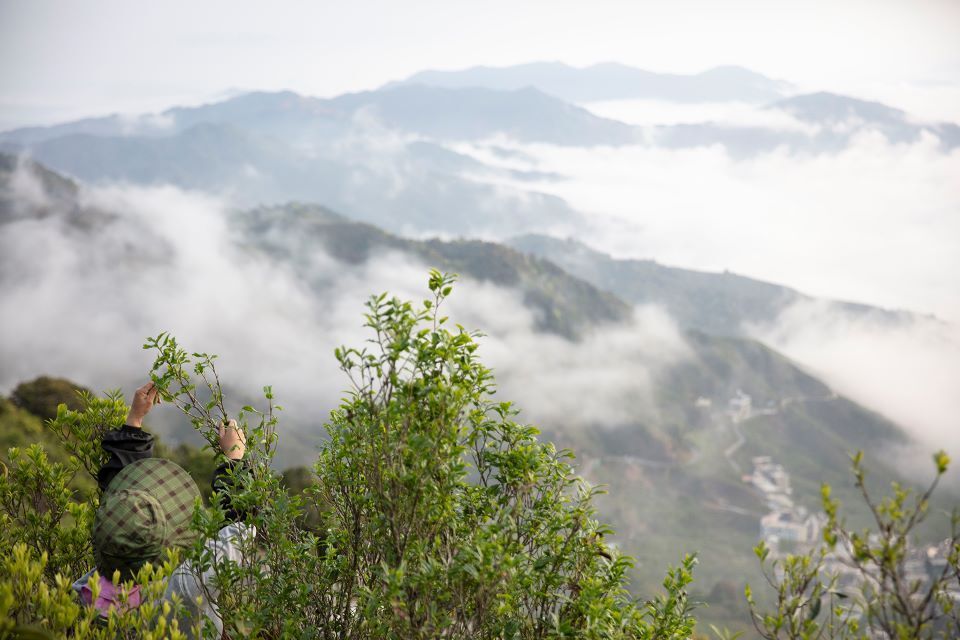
(942, 460)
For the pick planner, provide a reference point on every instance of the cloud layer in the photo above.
(909, 373)
(877, 223)
(169, 261)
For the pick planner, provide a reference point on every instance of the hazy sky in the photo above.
(65, 59)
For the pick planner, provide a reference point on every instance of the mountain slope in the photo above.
(471, 113)
(562, 304)
(564, 298)
(203, 156)
(569, 306)
(832, 110)
(715, 303)
(413, 187)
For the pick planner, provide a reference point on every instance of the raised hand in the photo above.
(143, 400)
(233, 442)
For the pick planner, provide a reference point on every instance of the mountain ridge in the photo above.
(527, 113)
(717, 303)
(611, 81)
(309, 125)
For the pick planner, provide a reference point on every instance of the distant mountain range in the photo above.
(527, 114)
(466, 113)
(526, 103)
(390, 157)
(833, 122)
(405, 186)
(612, 81)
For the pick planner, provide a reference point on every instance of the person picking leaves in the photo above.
(146, 507)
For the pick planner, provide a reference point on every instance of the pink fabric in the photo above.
(110, 597)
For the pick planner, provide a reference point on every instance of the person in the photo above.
(146, 507)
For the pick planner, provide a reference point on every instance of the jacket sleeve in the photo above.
(224, 480)
(123, 446)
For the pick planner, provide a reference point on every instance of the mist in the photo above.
(875, 223)
(81, 301)
(909, 373)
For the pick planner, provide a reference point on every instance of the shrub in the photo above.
(450, 518)
(857, 584)
(440, 515)
(32, 606)
(436, 514)
(37, 510)
(45, 540)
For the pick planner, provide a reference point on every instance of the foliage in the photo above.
(37, 509)
(38, 502)
(440, 515)
(81, 432)
(434, 513)
(857, 584)
(31, 604)
(42, 508)
(431, 513)
(45, 539)
(42, 396)
(450, 519)
(297, 480)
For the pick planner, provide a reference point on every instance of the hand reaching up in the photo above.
(232, 440)
(143, 400)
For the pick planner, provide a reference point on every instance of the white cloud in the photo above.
(924, 102)
(910, 373)
(84, 301)
(604, 379)
(876, 222)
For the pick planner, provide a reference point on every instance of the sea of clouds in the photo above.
(876, 223)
